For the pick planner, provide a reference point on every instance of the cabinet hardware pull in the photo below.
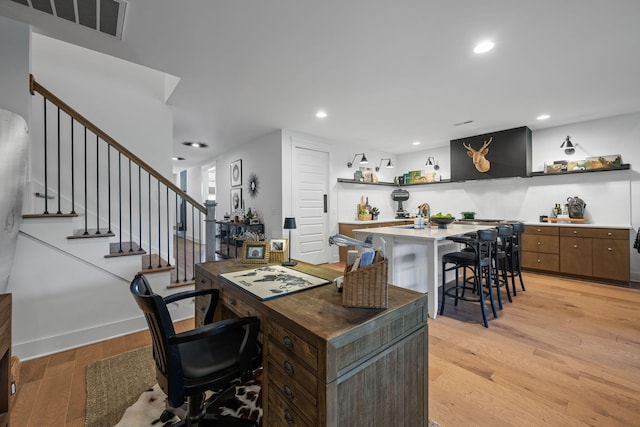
(539, 261)
(609, 249)
(232, 301)
(288, 417)
(575, 246)
(575, 232)
(539, 243)
(288, 342)
(609, 234)
(539, 230)
(288, 367)
(288, 392)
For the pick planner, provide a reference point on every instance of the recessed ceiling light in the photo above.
(321, 114)
(416, 142)
(484, 46)
(177, 158)
(195, 144)
(543, 117)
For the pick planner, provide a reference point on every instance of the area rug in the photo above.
(122, 391)
(115, 383)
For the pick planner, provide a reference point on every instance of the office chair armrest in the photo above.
(188, 294)
(211, 308)
(214, 329)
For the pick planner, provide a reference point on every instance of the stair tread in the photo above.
(128, 248)
(91, 233)
(50, 215)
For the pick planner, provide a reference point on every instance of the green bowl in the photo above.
(468, 215)
(442, 222)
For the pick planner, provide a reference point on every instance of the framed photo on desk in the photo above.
(255, 252)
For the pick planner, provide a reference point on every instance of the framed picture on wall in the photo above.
(236, 199)
(236, 173)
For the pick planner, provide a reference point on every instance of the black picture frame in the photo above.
(236, 173)
(236, 199)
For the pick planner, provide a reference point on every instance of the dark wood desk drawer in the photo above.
(283, 414)
(238, 306)
(294, 345)
(293, 367)
(301, 396)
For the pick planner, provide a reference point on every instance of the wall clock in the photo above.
(253, 185)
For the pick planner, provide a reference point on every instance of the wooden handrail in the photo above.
(34, 86)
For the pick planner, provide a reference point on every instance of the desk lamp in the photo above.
(289, 224)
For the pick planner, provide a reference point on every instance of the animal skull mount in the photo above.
(479, 161)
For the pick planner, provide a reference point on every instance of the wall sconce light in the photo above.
(568, 146)
(431, 161)
(363, 161)
(389, 164)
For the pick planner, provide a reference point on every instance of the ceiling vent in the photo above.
(106, 16)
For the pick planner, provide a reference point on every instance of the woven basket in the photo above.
(366, 217)
(366, 287)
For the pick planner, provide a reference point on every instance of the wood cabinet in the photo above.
(597, 253)
(5, 358)
(329, 365)
(601, 253)
(541, 248)
(347, 230)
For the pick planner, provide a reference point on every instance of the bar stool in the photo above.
(502, 255)
(514, 260)
(476, 257)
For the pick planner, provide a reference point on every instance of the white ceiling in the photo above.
(387, 72)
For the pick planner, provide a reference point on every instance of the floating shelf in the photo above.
(390, 184)
(624, 166)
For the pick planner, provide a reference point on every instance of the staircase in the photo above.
(96, 201)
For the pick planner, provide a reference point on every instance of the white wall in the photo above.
(15, 67)
(612, 197)
(61, 298)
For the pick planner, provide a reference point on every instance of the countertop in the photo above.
(375, 221)
(583, 225)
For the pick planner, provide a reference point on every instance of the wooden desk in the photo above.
(327, 365)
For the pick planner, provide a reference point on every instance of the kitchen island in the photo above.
(415, 255)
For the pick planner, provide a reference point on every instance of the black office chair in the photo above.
(209, 357)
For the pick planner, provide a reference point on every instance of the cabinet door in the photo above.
(611, 259)
(576, 255)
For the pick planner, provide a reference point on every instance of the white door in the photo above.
(310, 198)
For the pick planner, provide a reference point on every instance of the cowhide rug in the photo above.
(151, 403)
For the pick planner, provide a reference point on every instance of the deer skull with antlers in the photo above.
(479, 161)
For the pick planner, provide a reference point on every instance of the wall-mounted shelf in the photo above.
(390, 184)
(625, 166)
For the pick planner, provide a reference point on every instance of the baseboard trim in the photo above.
(56, 344)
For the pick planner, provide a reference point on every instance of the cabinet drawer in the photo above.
(302, 396)
(294, 345)
(540, 261)
(283, 414)
(238, 306)
(598, 233)
(291, 365)
(541, 229)
(543, 243)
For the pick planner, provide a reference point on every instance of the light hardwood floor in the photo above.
(564, 353)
